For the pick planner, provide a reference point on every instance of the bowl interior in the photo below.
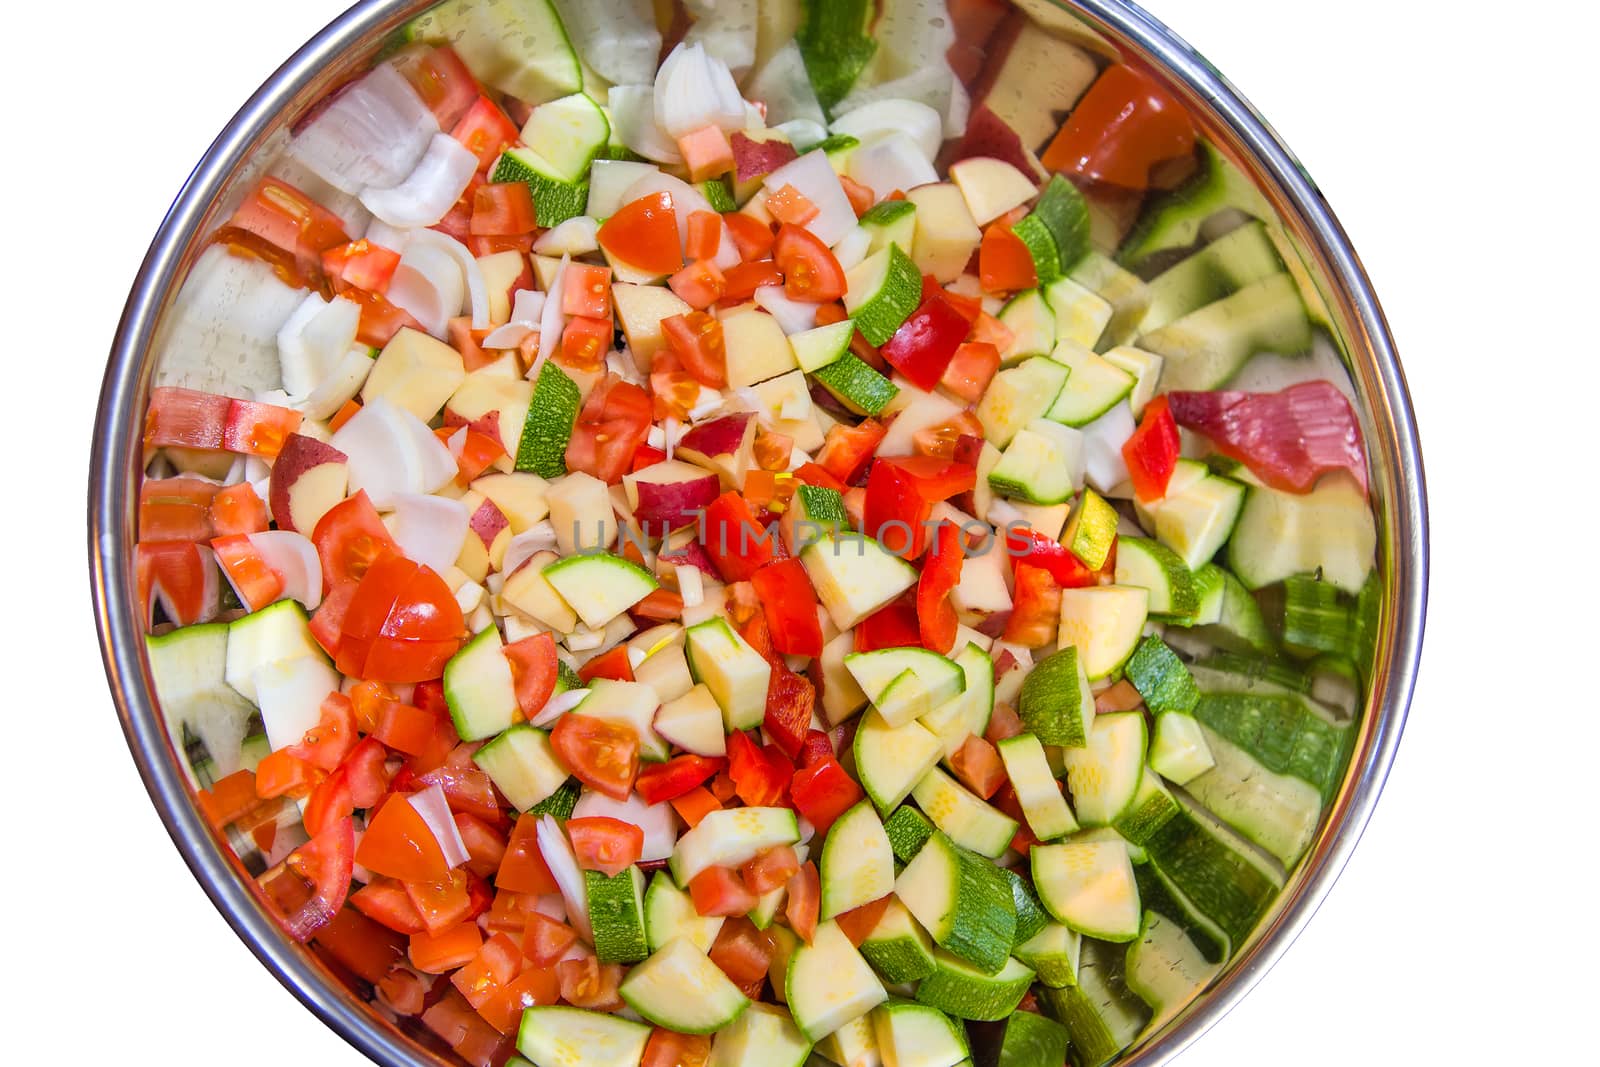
(1065, 36)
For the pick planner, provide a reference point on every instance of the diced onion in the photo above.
(794, 316)
(314, 340)
(477, 296)
(694, 90)
(295, 559)
(552, 320)
(428, 285)
(618, 39)
(430, 529)
(557, 854)
(558, 706)
(372, 133)
(338, 387)
(431, 804)
(921, 123)
(576, 236)
(633, 117)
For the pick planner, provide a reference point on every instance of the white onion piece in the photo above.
(918, 121)
(558, 706)
(557, 854)
(852, 248)
(428, 285)
(295, 559)
(552, 320)
(430, 190)
(372, 134)
(477, 299)
(618, 39)
(807, 831)
(633, 117)
(430, 529)
(314, 340)
(508, 336)
(691, 585)
(889, 161)
(526, 309)
(540, 537)
(784, 87)
(576, 236)
(391, 237)
(656, 820)
(1104, 467)
(693, 90)
(431, 804)
(221, 332)
(727, 29)
(290, 693)
(392, 453)
(793, 315)
(436, 464)
(342, 383)
(814, 178)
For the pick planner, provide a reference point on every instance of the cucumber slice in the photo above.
(556, 198)
(731, 837)
(631, 704)
(1220, 873)
(914, 1035)
(681, 989)
(881, 292)
(963, 816)
(1166, 969)
(891, 223)
(575, 1037)
(1043, 805)
(1205, 348)
(670, 915)
(522, 765)
(857, 861)
(1017, 396)
(1030, 1040)
(1178, 751)
(1151, 808)
(1033, 328)
(480, 692)
(1104, 774)
(616, 912)
(853, 1044)
(828, 983)
(735, 672)
(1196, 520)
(821, 345)
(1152, 566)
(1278, 812)
(1091, 529)
(908, 830)
(551, 413)
(937, 677)
(961, 900)
(957, 987)
(1101, 1015)
(898, 948)
(966, 714)
(763, 1036)
(518, 47)
(1081, 315)
(891, 760)
(855, 576)
(600, 587)
(1043, 464)
(1161, 678)
(1103, 622)
(1053, 954)
(567, 133)
(856, 385)
(1056, 705)
(1329, 531)
(1089, 886)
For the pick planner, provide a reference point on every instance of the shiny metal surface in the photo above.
(350, 41)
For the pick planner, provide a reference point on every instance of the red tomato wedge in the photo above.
(604, 844)
(604, 755)
(810, 271)
(399, 844)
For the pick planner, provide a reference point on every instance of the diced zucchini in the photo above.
(1104, 774)
(736, 673)
(1194, 521)
(964, 816)
(1208, 346)
(1031, 1040)
(1100, 1014)
(1217, 871)
(1081, 314)
(1017, 396)
(1161, 678)
(1276, 811)
(854, 1044)
(881, 292)
(1151, 566)
(731, 837)
(616, 913)
(1033, 327)
(1166, 969)
(961, 900)
(1053, 954)
(522, 765)
(855, 576)
(669, 915)
(1103, 623)
(891, 760)
(681, 989)
(1329, 531)
(898, 948)
(600, 587)
(967, 713)
(821, 345)
(1043, 464)
(938, 678)
(829, 984)
(1042, 803)
(966, 991)
(765, 1035)
(1055, 704)
(908, 831)
(630, 704)
(1089, 886)
(575, 1037)
(480, 691)
(856, 385)
(857, 861)
(915, 1035)
(1178, 751)
(1091, 529)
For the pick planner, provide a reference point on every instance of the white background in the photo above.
(1458, 151)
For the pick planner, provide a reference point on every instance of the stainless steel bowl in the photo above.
(349, 43)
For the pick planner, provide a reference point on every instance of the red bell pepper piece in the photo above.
(892, 626)
(924, 344)
(847, 449)
(1289, 438)
(1035, 608)
(760, 775)
(941, 570)
(895, 510)
(1032, 547)
(817, 746)
(677, 776)
(1125, 125)
(790, 698)
(736, 543)
(824, 791)
(1152, 452)
(791, 607)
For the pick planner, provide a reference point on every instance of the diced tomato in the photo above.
(662, 605)
(498, 961)
(523, 869)
(398, 843)
(861, 196)
(467, 1033)
(361, 264)
(402, 625)
(791, 607)
(700, 284)
(444, 903)
(978, 766)
(667, 1048)
(971, 369)
(612, 424)
(705, 235)
(604, 844)
(823, 791)
(185, 418)
(791, 699)
(923, 346)
(604, 755)
(858, 923)
(743, 279)
(1035, 608)
(790, 207)
(1030, 547)
(1126, 124)
(536, 985)
(279, 213)
(177, 509)
(405, 728)
(444, 951)
(281, 773)
(380, 321)
(770, 869)
(486, 846)
(1152, 452)
(941, 440)
(676, 777)
(467, 787)
(847, 449)
(402, 990)
(588, 983)
(613, 665)
(485, 131)
(760, 776)
(385, 901)
(325, 863)
(736, 543)
(894, 625)
(695, 805)
(363, 947)
(644, 234)
(231, 798)
(248, 572)
(585, 342)
(503, 209)
(1004, 722)
(327, 744)
(441, 79)
(813, 474)
(545, 940)
(237, 509)
(1006, 800)
(1004, 263)
(743, 952)
(803, 903)
(810, 271)
(991, 331)
(586, 290)
(350, 538)
(753, 237)
(696, 339)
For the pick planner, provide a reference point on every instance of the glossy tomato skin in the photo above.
(350, 538)
(941, 572)
(644, 234)
(613, 423)
(1125, 125)
(399, 844)
(791, 606)
(804, 901)
(810, 271)
(604, 844)
(676, 777)
(1152, 452)
(604, 755)
(823, 791)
